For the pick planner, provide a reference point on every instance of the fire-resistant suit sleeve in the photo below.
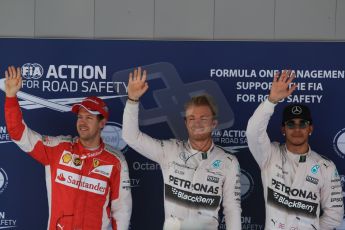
(139, 141)
(121, 198)
(232, 195)
(29, 141)
(331, 198)
(258, 141)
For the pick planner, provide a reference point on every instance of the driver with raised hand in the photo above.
(198, 175)
(302, 189)
(87, 180)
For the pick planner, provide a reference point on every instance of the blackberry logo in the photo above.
(32, 71)
(339, 143)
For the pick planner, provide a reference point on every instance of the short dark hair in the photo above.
(203, 100)
(100, 117)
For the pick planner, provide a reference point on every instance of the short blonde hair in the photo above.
(203, 100)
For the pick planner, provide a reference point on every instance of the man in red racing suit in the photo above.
(87, 181)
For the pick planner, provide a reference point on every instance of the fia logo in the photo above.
(32, 71)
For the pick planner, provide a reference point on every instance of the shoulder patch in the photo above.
(324, 157)
(177, 142)
(53, 141)
(230, 158)
(114, 151)
(66, 138)
(224, 150)
(325, 162)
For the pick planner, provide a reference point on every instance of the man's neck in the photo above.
(202, 146)
(298, 149)
(90, 144)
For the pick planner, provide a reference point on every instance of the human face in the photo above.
(199, 122)
(297, 131)
(89, 126)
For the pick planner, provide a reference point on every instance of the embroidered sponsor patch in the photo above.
(70, 160)
(312, 179)
(81, 182)
(104, 170)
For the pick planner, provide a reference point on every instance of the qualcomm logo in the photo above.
(3, 180)
(339, 143)
(32, 71)
(247, 184)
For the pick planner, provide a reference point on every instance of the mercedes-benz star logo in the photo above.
(296, 110)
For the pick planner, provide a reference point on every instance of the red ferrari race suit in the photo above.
(87, 189)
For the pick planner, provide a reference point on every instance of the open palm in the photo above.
(13, 81)
(137, 84)
(280, 86)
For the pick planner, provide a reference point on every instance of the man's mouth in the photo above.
(83, 128)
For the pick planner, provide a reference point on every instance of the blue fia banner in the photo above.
(59, 73)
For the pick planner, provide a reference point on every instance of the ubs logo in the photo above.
(247, 184)
(112, 135)
(3, 180)
(339, 143)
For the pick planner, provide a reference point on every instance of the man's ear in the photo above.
(103, 122)
(214, 123)
(311, 130)
(283, 130)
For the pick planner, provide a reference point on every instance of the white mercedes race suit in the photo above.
(193, 187)
(295, 187)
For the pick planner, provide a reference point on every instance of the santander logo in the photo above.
(84, 183)
(61, 177)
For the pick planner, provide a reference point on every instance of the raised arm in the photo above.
(137, 84)
(140, 142)
(13, 81)
(258, 140)
(13, 115)
(27, 139)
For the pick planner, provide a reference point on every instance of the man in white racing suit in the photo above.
(298, 183)
(198, 175)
